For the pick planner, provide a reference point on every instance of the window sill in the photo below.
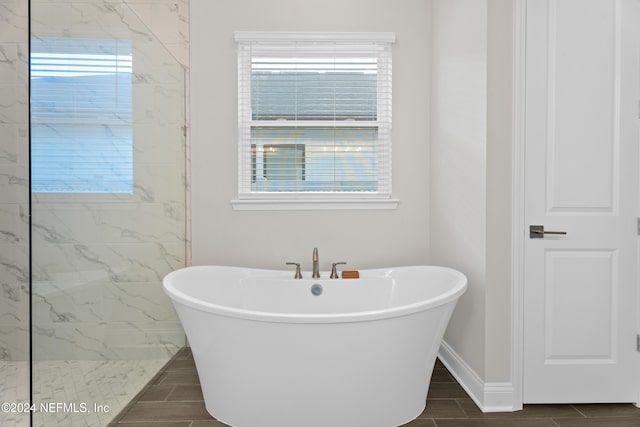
(313, 204)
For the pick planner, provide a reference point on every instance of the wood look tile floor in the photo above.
(174, 399)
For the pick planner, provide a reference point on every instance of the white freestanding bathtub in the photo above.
(273, 352)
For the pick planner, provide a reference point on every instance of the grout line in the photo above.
(151, 382)
(457, 400)
(579, 411)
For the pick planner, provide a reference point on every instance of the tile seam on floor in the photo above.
(144, 389)
(579, 411)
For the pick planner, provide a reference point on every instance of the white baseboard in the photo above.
(490, 397)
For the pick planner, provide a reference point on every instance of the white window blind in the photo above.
(81, 103)
(314, 115)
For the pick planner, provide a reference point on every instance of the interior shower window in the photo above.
(315, 115)
(81, 109)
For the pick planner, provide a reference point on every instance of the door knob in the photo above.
(538, 232)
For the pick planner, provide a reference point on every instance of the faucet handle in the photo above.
(334, 271)
(298, 274)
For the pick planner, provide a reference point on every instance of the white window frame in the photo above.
(251, 200)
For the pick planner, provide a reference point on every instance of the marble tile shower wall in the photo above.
(14, 199)
(98, 259)
(14, 189)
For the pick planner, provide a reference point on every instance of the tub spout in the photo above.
(316, 266)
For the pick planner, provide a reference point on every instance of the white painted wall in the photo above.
(452, 155)
(267, 239)
(458, 164)
(471, 138)
(499, 176)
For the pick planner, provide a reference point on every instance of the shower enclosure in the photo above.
(92, 209)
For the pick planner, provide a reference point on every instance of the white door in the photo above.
(581, 177)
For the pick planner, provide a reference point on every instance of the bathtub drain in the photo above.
(316, 289)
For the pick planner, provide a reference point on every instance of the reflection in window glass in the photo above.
(81, 108)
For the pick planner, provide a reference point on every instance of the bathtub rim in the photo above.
(458, 287)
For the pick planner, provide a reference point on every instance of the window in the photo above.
(314, 118)
(283, 162)
(81, 91)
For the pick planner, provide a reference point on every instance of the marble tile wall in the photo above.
(98, 259)
(14, 199)
(14, 174)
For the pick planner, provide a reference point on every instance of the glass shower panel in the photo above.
(108, 206)
(14, 208)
